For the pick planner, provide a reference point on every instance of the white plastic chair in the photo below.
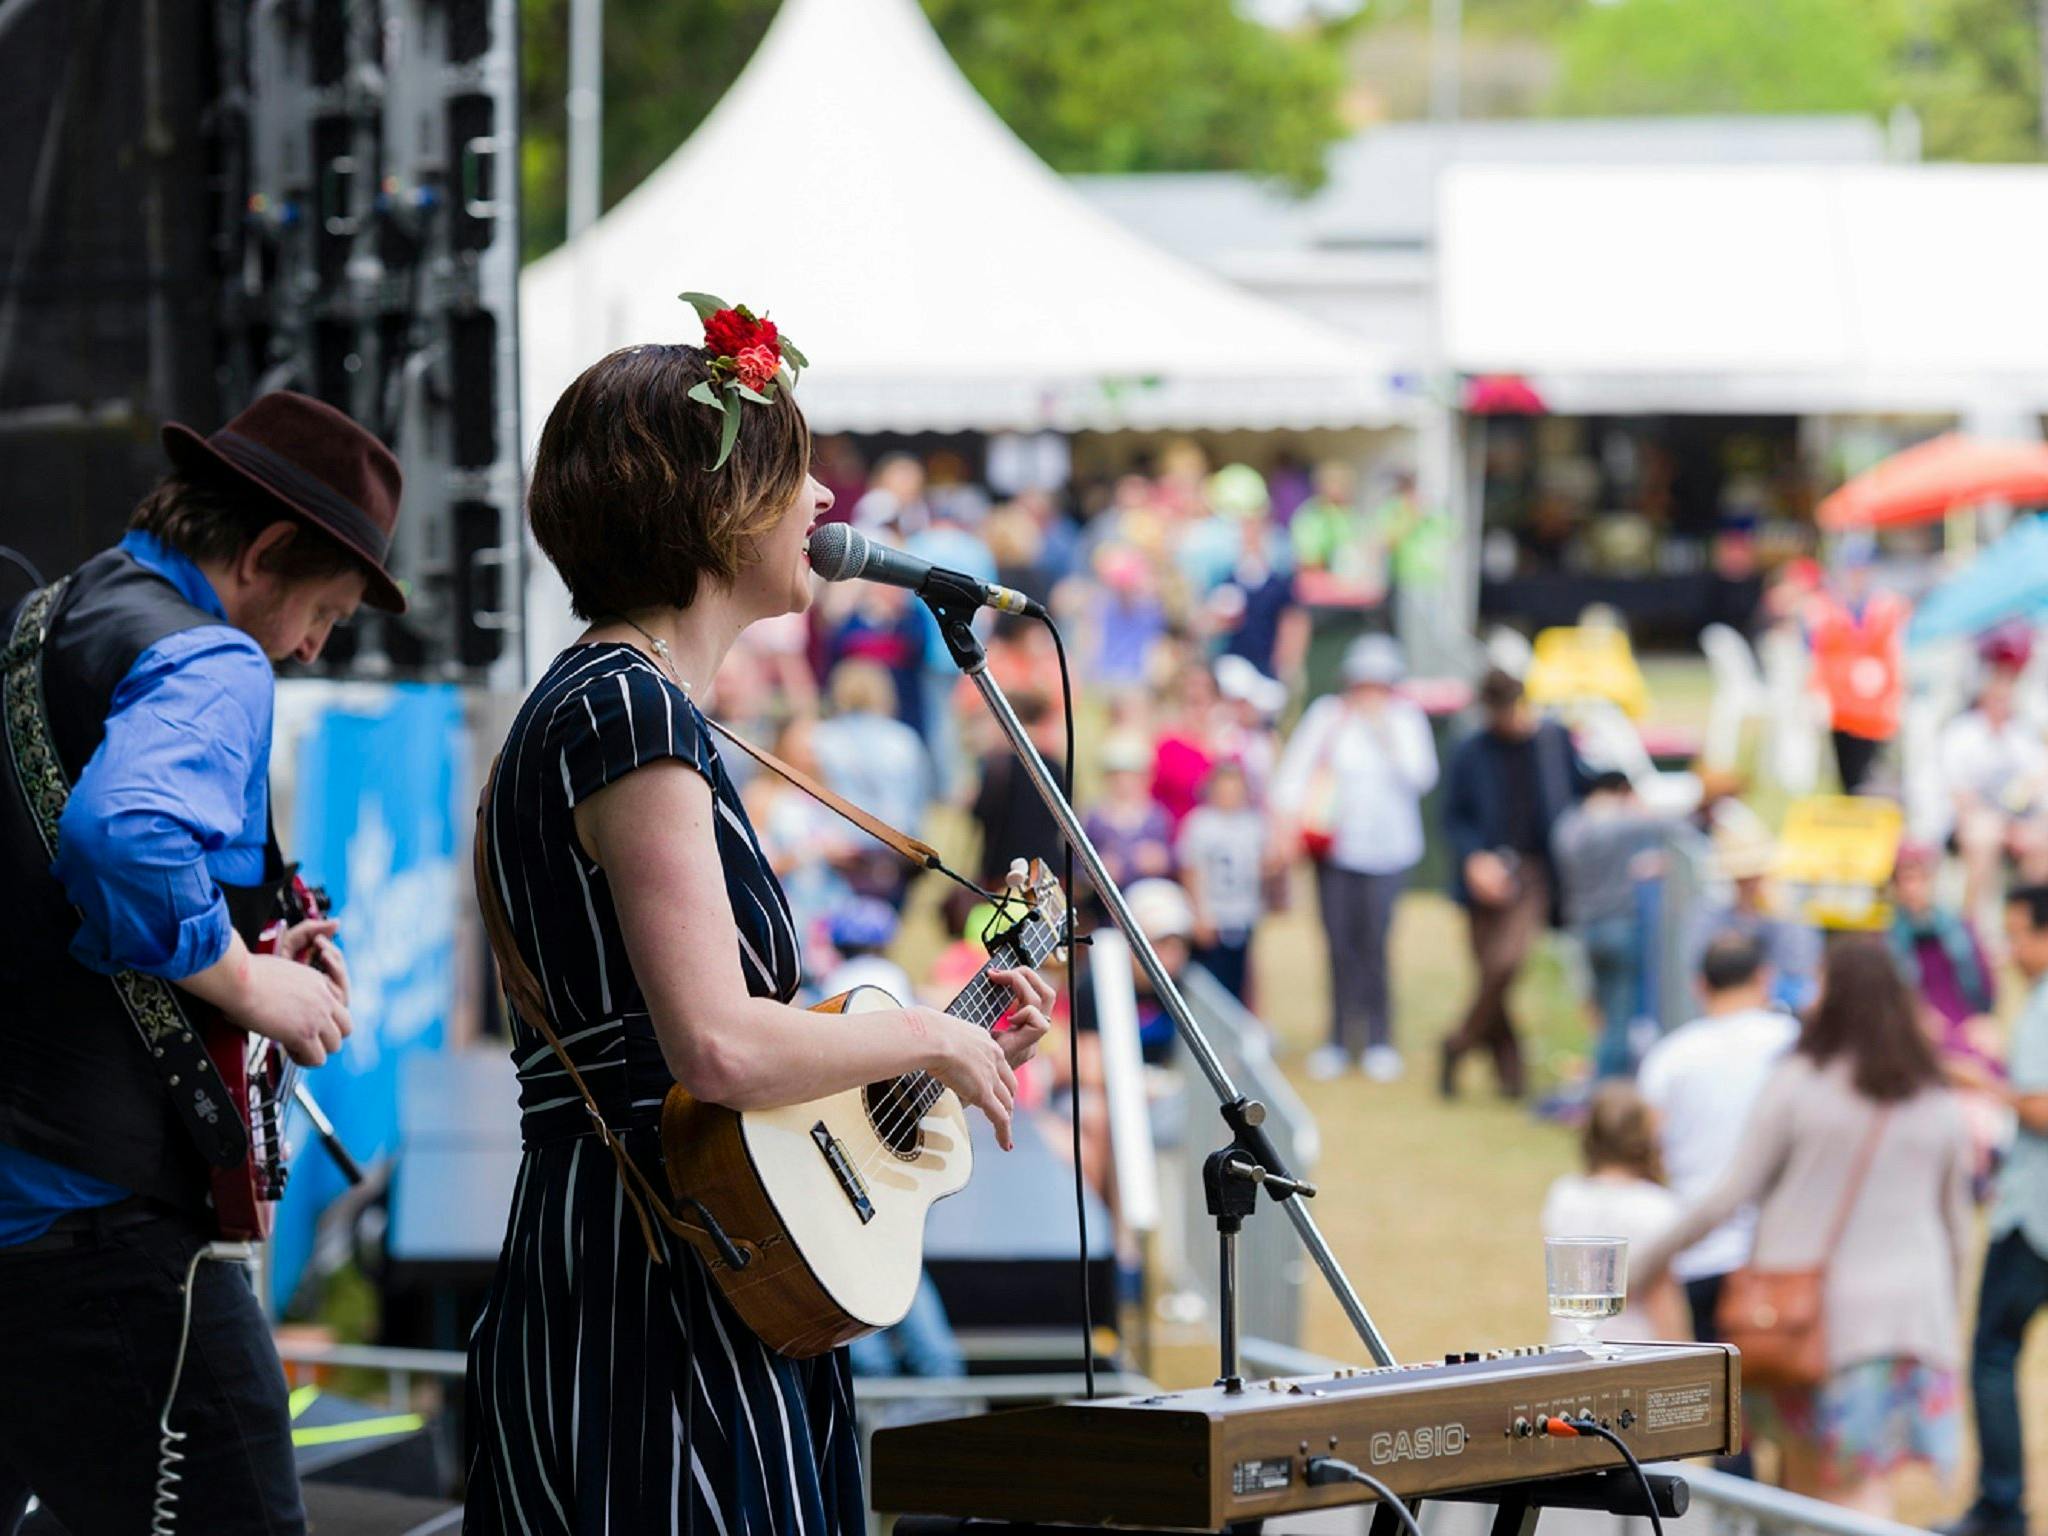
(1739, 695)
(1795, 715)
(1608, 737)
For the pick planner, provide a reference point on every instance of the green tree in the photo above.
(666, 63)
(1090, 85)
(1151, 85)
(1971, 69)
(1646, 57)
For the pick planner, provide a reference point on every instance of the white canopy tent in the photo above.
(1731, 289)
(939, 277)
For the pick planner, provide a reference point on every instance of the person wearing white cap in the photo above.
(1167, 919)
(1350, 787)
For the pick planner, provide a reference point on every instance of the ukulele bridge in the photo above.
(850, 1182)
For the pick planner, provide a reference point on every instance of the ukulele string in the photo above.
(912, 1095)
(888, 1112)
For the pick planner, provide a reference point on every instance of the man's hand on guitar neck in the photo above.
(302, 1007)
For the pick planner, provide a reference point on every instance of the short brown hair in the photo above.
(1867, 1013)
(1620, 1133)
(624, 500)
(211, 522)
(1499, 691)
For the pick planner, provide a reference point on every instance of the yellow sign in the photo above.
(1835, 857)
(1586, 662)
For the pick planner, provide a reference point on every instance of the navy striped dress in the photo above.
(588, 1358)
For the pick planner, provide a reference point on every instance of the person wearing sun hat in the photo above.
(140, 758)
(1744, 856)
(1994, 766)
(1239, 518)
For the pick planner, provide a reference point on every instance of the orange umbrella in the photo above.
(1934, 478)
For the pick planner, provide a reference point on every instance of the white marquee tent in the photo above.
(936, 273)
(1799, 288)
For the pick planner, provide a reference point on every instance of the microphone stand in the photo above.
(953, 603)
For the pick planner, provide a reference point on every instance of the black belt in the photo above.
(88, 1227)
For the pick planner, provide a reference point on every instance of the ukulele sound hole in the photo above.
(893, 1112)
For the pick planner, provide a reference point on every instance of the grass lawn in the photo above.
(1432, 1208)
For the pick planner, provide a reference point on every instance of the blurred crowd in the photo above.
(1842, 1102)
(1849, 1099)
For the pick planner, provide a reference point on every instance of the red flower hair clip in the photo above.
(747, 355)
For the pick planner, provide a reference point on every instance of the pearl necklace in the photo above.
(661, 651)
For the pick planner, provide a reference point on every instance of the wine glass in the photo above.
(1587, 1279)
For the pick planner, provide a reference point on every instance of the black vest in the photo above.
(77, 1085)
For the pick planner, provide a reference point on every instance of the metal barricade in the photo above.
(1273, 1269)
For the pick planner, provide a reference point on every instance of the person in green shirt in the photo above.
(1329, 529)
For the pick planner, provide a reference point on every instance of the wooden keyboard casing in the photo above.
(1202, 1459)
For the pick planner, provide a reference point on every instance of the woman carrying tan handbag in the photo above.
(1350, 787)
(1857, 1158)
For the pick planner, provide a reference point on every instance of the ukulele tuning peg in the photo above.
(1019, 875)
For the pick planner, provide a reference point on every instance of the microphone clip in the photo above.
(954, 601)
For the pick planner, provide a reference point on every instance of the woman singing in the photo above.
(609, 1394)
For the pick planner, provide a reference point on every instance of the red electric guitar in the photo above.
(260, 1078)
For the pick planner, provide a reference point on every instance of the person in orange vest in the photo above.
(1857, 633)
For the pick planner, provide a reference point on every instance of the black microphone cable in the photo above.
(1324, 1470)
(1059, 646)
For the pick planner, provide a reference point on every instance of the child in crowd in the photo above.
(1603, 846)
(1222, 850)
(861, 930)
(1167, 920)
(1621, 1194)
(1129, 828)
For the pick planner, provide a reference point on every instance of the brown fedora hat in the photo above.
(315, 463)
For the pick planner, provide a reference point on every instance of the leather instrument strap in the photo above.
(1858, 1172)
(921, 854)
(523, 990)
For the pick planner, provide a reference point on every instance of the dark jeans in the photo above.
(2015, 1287)
(1358, 911)
(1228, 960)
(1855, 756)
(86, 1352)
(1614, 954)
(1702, 1299)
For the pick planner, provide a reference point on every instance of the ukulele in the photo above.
(259, 1077)
(815, 1213)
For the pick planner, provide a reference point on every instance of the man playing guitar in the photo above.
(138, 696)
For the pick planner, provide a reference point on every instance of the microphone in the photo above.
(841, 552)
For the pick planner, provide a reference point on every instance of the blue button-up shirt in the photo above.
(173, 804)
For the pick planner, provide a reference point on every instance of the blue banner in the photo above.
(375, 822)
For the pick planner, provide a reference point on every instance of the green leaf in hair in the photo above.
(727, 436)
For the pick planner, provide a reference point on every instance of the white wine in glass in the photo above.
(1587, 1279)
